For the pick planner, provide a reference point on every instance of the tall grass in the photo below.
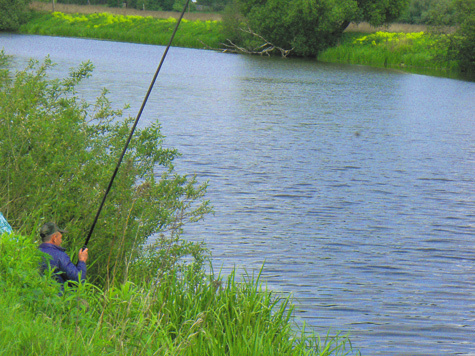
(137, 29)
(391, 50)
(182, 314)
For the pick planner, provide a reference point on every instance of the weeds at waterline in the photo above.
(181, 314)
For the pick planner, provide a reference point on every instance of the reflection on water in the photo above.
(354, 185)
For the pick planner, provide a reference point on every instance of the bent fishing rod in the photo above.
(134, 126)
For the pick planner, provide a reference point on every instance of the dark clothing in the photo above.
(61, 263)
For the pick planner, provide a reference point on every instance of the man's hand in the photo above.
(83, 255)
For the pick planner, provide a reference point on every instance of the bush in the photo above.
(464, 39)
(58, 154)
(429, 12)
(13, 13)
(302, 27)
(410, 51)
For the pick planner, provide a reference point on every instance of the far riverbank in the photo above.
(202, 16)
(399, 46)
(95, 9)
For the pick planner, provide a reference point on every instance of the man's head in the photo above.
(51, 233)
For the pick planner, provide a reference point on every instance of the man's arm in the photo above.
(73, 271)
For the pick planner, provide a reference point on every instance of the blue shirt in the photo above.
(62, 265)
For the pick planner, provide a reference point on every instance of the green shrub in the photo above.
(58, 154)
(392, 50)
(463, 42)
(13, 13)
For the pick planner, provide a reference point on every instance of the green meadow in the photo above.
(407, 51)
(136, 29)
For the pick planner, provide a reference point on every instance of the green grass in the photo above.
(137, 29)
(183, 313)
(418, 50)
(408, 51)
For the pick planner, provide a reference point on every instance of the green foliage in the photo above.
(214, 5)
(138, 29)
(58, 153)
(159, 5)
(391, 50)
(429, 12)
(463, 44)
(307, 26)
(184, 313)
(459, 46)
(436, 50)
(178, 5)
(13, 13)
(377, 12)
(19, 271)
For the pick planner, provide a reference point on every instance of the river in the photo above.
(355, 186)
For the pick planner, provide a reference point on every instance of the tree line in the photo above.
(301, 27)
(430, 12)
(157, 5)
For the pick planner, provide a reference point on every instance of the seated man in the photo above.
(65, 270)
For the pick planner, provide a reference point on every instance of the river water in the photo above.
(355, 186)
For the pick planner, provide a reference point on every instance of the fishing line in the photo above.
(134, 126)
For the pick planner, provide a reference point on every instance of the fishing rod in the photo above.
(134, 126)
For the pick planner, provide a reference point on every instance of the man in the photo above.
(65, 270)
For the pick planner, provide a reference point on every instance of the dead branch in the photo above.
(265, 49)
(267, 46)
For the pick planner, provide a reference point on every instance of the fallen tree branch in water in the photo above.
(265, 49)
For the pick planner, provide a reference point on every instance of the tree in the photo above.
(377, 12)
(430, 12)
(13, 13)
(309, 26)
(439, 14)
(215, 5)
(178, 5)
(464, 38)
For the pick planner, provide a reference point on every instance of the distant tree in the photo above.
(378, 13)
(415, 11)
(464, 38)
(13, 13)
(178, 5)
(308, 26)
(167, 5)
(215, 5)
(430, 12)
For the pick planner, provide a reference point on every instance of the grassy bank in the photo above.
(183, 314)
(408, 51)
(137, 29)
